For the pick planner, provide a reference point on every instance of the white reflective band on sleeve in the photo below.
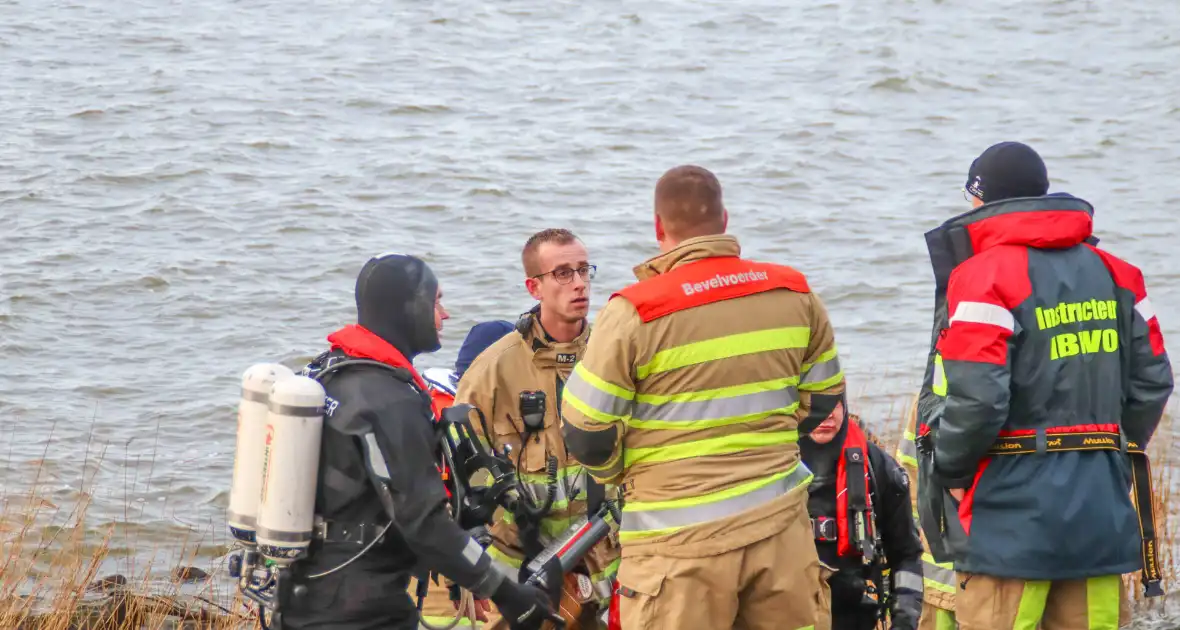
(984, 313)
(1145, 310)
(472, 552)
(376, 459)
(907, 580)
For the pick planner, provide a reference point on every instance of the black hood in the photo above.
(395, 297)
(821, 458)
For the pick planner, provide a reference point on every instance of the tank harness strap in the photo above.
(1140, 479)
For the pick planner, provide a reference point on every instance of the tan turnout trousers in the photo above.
(768, 585)
(990, 603)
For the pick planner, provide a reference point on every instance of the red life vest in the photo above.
(707, 281)
(357, 341)
(853, 461)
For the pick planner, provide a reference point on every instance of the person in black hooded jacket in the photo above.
(378, 462)
(835, 452)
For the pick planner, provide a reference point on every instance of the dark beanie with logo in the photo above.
(1007, 170)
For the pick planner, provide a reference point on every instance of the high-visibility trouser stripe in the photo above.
(729, 346)
(1032, 605)
(1103, 595)
(823, 374)
(939, 385)
(907, 450)
(723, 445)
(944, 620)
(662, 517)
(717, 407)
(939, 576)
(595, 397)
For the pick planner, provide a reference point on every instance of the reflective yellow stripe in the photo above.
(595, 397)
(500, 556)
(609, 469)
(607, 573)
(824, 373)
(466, 623)
(939, 385)
(945, 620)
(1102, 602)
(722, 406)
(702, 448)
(724, 348)
(939, 576)
(652, 518)
(1032, 605)
(907, 451)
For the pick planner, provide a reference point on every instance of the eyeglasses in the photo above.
(565, 275)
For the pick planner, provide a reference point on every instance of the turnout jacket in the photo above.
(527, 360)
(691, 394)
(1037, 333)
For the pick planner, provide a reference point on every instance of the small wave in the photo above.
(363, 103)
(152, 282)
(88, 113)
(893, 84)
(408, 110)
(488, 192)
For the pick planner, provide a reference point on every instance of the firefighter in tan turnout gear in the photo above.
(517, 384)
(691, 395)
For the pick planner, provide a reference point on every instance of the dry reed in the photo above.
(50, 561)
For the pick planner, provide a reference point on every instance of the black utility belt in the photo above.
(1043, 442)
(350, 533)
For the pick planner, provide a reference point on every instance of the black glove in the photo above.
(523, 606)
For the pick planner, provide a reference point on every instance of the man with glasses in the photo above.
(517, 385)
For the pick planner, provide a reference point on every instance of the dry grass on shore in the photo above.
(51, 563)
(51, 566)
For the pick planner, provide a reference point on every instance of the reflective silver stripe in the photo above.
(567, 488)
(907, 580)
(822, 371)
(254, 396)
(472, 552)
(938, 578)
(743, 405)
(295, 410)
(638, 521)
(376, 459)
(282, 536)
(1145, 309)
(601, 401)
(984, 313)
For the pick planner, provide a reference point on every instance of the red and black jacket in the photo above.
(1037, 333)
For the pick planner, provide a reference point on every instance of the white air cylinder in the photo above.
(286, 510)
(247, 482)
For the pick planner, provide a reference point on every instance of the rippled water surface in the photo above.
(187, 188)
